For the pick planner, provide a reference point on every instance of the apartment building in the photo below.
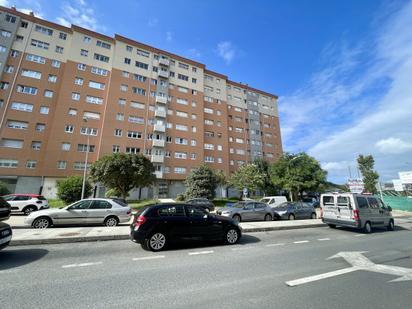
(65, 92)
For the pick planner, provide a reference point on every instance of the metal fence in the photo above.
(398, 202)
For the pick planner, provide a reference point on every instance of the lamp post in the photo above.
(85, 163)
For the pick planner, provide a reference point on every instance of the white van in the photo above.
(355, 210)
(273, 201)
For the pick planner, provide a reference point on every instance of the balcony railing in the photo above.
(159, 128)
(164, 74)
(161, 99)
(157, 158)
(164, 62)
(160, 113)
(158, 143)
(159, 174)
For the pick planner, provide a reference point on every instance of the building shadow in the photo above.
(12, 258)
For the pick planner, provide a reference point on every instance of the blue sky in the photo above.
(341, 68)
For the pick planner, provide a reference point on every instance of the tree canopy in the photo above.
(370, 177)
(268, 188)
(69, 189)
(297, 173)
(123, 172)
(247, 176)
(202, 182)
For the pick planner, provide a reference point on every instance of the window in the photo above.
(94, 100)
(208, 110)
(180, 170)
(35, 145)
(4, 85)
(84, 52)
(123, 87)
(5, 33)
(172, 211)
(181, 155)
(15, 53)
(87, 39)
(127, 60)
(209, 146)
(129, 48)
(52, 78)
(209, 159)
(43, 30)
(35, 58)
(194, 80)
(193, 142)
(81, 66)
(80, 166)
(83, 148)
(31, 74)
(103, 44)
(101, 57)
(11, 18)
(183, 77)
(75, 96)
(72, 112)
(117, 132)
(135, 119)
(132, 150)
(137, 105)
(88, 131)
(61, 165)
(209, 122)
(62, 36)
(7, 163)
(180, 127)
(26, 89)
(120, 116)
(181, 141)
(21, 125)
(115, 148)
(59, 49)
(140, 78)
(183, 66)
(40, 127)
(96, 85)
(121, 102)
(44, 110)
(181, 101)
(11, 143)
(24, 24)
(142, 65)
(99, 71)
(40, 44)
(78, 81)
(56, 64)
(134, 134)
(181, 114)
(48, 93)
(66, 146)
(139, 91)
(24, 107)
(68, 128)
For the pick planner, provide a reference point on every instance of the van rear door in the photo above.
(330, 211)
(344, 208)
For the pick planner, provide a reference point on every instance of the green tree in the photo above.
(247, 176)
(370, 177)
(69, 189)
(123, 172)
(297, 173)
(201, 182)
(268, 188)
(3, 189)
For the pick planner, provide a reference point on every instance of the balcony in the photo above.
(158, 143)
(161, 99)
(157, 159)
(165, 62)
(159, 128)
(164, 74)
(158, 174)
(160, 113)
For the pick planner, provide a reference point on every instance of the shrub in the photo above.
(180, 197)
(3, 189)
(69, 190)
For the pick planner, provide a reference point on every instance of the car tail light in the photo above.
(129, 212)
(140, 220)
(356, 215)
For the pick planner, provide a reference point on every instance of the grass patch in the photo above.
(56, 203)
(221, 202)
(138, 204)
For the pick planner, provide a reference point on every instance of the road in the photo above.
(252, 274)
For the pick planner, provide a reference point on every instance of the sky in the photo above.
(342, 69)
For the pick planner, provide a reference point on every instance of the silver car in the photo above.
(247, 211)
(87, 211)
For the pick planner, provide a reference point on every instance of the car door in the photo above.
(20, 201)
(260, 211)
(385, 213)
(248, 212)
(306, 211)
(98, 211)
(73, 214)
(174, 221)
(377, 218)
(344, 208)
(203, 225)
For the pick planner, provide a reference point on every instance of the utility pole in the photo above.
(87, 155)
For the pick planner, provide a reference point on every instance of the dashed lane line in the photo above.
(275, 245)
(323, 239)
(201, 252)
(301, 242)
(82, 265)
(144, 258)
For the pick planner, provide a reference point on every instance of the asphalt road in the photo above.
(252, 274)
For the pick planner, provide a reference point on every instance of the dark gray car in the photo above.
(294, 210)
(247, 211)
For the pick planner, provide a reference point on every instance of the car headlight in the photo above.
(226, 213)
(282, 212)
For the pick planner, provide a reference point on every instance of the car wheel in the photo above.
(268, 217)
(156, 242)
(231, 236)
(313, 215)
(291, 217)
(391, 225)
(28, 210)
(41, 223)
(111, 221)
(332, 226)
(367, 228)
(2, 246)
(237, 218)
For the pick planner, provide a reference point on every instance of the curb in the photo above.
(49, 241)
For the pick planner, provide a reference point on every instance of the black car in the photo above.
(5, 235)
(5, 209)
(161, 224)
(202, 202)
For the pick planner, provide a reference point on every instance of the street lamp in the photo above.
(85, 163)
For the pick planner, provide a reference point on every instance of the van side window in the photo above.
(362, 202)
(343, 201)
(373, 202)
(328, 200)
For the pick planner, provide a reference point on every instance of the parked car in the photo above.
(86, 211)
(356, 210)
(294, 210)
(312, 201)
(247, 211)
(273, 201)
(26, 203)
(5, 209)
(161, 224)
(5, 235)
(202, 202)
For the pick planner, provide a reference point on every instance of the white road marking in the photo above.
(81, 265)
(201, 252)
(360, 235)
(323, 239)
(301, 242)
(275, 245)
(358, 262)
(243, 248)
(149, 258)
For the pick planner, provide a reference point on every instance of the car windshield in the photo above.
(239, 205)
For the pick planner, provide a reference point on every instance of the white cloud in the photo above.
(5, 3)
(169, 36)
(226, 51)
(80, 14)
(342, 165)
(393, 145)
(193, 52)
(359, 99)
